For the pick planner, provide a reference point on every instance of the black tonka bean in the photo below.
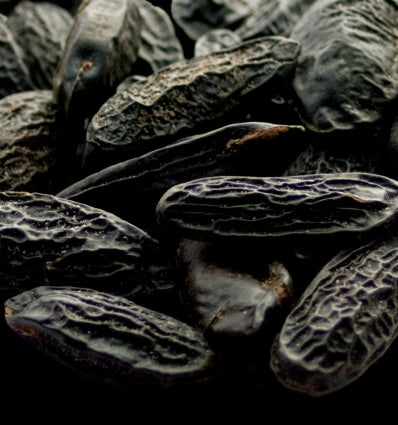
(197, 18)
(41, 30)
(159, 45)
(131, 189)
(343, 323)
(110, 339)
(269, 207)
(229, 299)
(46, 240)
(99, 53)
(347, 71)
(215, 40)
(14, 74)
(184, 95)
(273, 17)
(328, 153)
(30, 156)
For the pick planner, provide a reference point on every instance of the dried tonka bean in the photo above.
(181, 96)
(273, 17)
(14, 74)
(229, 299)
(110, 339)
(100, 51)
(264, 207)
(40, 29)
(30, 157)
(343, 323)
(200, 16)
(159, 44)
(131, 189)
(46, 240)
(347, 71)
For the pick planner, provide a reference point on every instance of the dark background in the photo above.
(38, 386)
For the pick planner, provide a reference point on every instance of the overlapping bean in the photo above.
(199, 194)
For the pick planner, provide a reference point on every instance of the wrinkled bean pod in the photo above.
(180, 97)
(343, 323)
(41, 30)
(273, 17)
(14, 74)
(132, 188)
(110, 339)
(159, 45)
(30, 157)
(45, 240)
(200, 16)
(347, 70)
(261, 207)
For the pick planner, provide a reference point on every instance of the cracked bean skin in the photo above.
(277, 207)
(110, 339)
(45, 239)
(343, 323)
